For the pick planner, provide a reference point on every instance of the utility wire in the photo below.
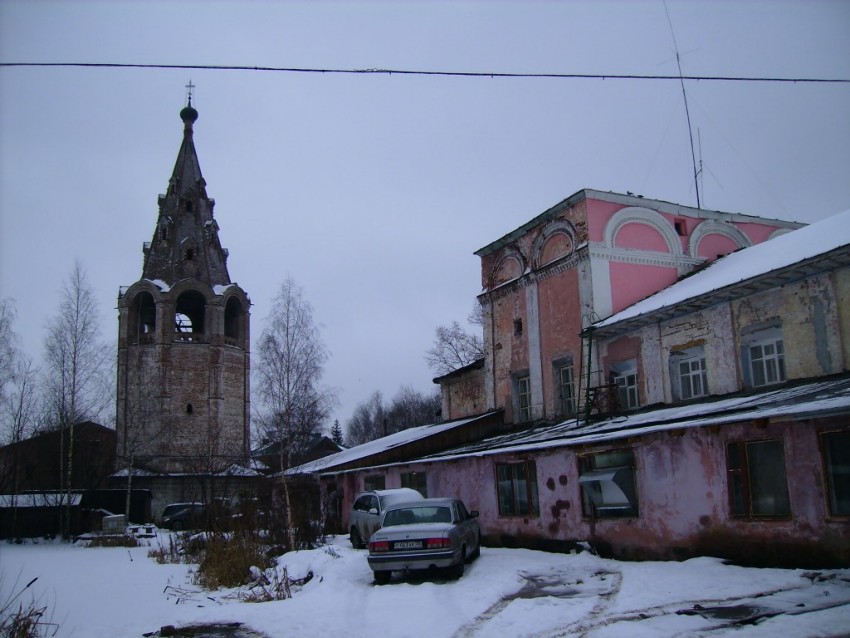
(467, 74)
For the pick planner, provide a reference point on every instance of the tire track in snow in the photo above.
(605, 586)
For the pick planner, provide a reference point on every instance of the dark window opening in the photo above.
(836, 459)
(189, 316)
(142, 317)
(188, 207)
(189, 408)
(758, 486)
(608, 488)
(523, 398)
(681, 228)
(190, 254)
(516, 485)
(163, 233)
(232, 321)
(415, 480)
(518, 327)
(374, 482)
(565, 387)
(625, 376)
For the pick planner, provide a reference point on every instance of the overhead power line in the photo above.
(467, 74)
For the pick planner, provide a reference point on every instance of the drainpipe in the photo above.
(589, 333)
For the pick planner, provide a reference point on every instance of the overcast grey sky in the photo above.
(373, 191)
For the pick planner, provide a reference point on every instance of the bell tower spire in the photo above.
(183, 398)
(185, 243)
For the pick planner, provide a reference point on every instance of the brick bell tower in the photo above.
(183, 398)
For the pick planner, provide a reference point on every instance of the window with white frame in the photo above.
(764, 357)
(624, 375)
(688, 373)
(523, 398)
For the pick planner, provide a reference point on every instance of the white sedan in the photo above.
(434, 533)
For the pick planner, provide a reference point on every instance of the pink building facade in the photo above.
(728, 435)
(584, 259)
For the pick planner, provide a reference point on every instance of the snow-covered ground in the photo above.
(117, 593)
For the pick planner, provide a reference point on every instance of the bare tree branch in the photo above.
(453, 348)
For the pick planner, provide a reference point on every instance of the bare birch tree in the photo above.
(408, 409)
(77, 367)
(294, 405)
(453, 348)
(8, 344)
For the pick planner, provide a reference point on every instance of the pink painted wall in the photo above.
(682, 492)
(598, 214)
(632, 282)
(642, 237)
(714, 245)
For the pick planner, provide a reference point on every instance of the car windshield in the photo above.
(415, 515)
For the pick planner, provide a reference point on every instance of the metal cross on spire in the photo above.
(189, 88)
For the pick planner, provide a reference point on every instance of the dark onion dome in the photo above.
(189, 114)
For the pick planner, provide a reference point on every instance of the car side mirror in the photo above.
(374, 510)
(473, 514)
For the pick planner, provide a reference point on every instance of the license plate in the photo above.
(407, 545)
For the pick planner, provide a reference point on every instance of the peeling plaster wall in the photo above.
(463, 396)
(809, 315)
(683, 500)
(842, 293)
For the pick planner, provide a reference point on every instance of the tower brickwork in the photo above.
(183, 397)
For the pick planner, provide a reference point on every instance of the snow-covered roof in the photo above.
(786, 250)
(239, 470)
(818, 398)
(380, 445)
(137, 471)
(253, 469)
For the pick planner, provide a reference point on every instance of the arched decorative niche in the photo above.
(555, 240)
(510, 266)
(723, 229)
(646, 217)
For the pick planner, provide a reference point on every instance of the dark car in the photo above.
(180, 516)
(434, 533)
(365, 515)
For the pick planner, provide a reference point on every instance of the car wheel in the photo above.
(456, 571)
(382, 577)
(177, 526)
(354, 537)
(477, 551)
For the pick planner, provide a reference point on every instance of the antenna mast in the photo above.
(685, 96)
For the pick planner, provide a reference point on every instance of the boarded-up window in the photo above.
(608, 486)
